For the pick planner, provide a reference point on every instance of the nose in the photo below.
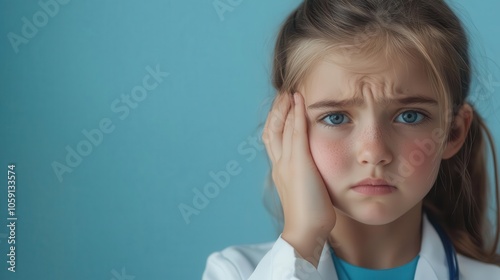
(374, 146)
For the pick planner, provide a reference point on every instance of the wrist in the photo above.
(309, 246)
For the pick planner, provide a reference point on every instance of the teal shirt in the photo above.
(347, 271)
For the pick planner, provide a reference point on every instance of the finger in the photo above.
(300, 140)
(288, 133)
(276, 125)
(266, 134)
(265, 138)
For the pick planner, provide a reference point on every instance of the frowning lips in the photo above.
(373, 182)
(373, 186)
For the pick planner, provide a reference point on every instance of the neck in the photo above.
(378, 247)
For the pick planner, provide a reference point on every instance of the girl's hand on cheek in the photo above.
(308, 211)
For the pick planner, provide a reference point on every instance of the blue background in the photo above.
(117, 213)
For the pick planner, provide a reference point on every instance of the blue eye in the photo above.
(411, 117)
(335, 119)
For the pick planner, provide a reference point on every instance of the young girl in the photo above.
(378, 159)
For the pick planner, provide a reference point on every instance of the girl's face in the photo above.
(379, 122)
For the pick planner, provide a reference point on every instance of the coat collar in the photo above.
(432, 264)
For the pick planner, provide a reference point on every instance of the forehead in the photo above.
(344, 77)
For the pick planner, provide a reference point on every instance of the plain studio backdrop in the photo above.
(119, 116)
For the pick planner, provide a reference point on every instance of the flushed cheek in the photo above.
(418, 163)
(331, 157)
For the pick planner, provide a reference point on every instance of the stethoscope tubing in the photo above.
(451, 254)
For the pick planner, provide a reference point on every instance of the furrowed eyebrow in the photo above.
(359, 101)
(417, 100)
(335, 104)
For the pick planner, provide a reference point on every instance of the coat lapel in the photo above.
(432, 263)
(326, 268)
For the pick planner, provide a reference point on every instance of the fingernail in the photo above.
(295, 98)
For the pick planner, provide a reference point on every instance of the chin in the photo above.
(375, 214)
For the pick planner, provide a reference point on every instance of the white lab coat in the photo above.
(279, 260)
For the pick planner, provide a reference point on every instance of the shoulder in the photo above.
(474, 269)
(235, 262)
